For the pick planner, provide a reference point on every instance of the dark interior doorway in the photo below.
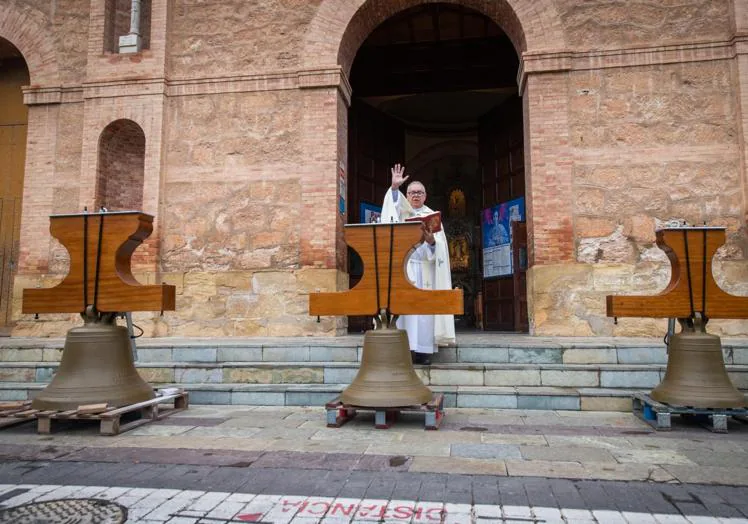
(434, 87)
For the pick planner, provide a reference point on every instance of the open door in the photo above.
(376, 141)
(501, 158)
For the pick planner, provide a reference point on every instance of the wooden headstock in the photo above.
(692, 288)
(384, 249)
(100, 247)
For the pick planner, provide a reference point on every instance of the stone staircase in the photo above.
(483, 371)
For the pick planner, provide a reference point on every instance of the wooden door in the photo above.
(501, 158)
(519, 276)
(13, 125)
(376, 141)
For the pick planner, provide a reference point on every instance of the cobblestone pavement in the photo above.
(278, 464)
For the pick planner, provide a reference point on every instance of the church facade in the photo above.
(254, 130)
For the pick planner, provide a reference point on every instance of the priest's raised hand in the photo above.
(397, 176)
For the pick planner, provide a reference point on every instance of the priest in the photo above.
(428, 267)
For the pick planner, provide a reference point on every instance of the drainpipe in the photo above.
(131, 42)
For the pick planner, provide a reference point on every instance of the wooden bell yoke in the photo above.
(101, 246)
(692, 288)
(384, 249)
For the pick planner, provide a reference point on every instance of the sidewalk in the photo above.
(483, 461)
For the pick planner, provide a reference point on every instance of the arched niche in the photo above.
(121, 166)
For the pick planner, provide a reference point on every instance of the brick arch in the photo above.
(30, 31)
(340, 26)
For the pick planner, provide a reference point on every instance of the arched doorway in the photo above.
(14, 74)
(434, 87)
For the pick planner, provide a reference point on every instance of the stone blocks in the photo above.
(512, 377)
(552, 377)
(273, 375)
(454, 377)
(258, 398)
(340, 375)
(482, 355)
(548, 402)
(333, 354)
(494, 398)
(239, 354)
(161, 375)
(535, 356)
(486, 451)
(590, 356)
(605, 403)
(155, 355)
(286, 354)
(200, 354)
(641, 355)
(629, 379)
(197, 375)
(210, 397)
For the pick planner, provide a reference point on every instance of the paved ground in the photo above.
(262, 464)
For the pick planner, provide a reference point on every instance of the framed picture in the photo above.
(497, 236)
(369, 213)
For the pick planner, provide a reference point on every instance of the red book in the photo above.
(433, 221)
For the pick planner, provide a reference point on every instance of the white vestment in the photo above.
(428, 268)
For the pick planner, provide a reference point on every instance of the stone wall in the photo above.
(602, 24)
(632, 117)
(237, 37)
(651, 144)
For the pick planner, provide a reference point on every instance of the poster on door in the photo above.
(341, 189)
(496, 229)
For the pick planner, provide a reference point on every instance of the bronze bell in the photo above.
(386, 378)
(97, 367)
(696, 375)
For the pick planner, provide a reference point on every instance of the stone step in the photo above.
(451, 374)
(519, 397)
(471, 348)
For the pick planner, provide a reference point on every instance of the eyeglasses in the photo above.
(416, 193)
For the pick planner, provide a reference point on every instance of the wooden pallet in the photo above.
(658, 415)
(17, 412)
(339, 413)
(110, 420)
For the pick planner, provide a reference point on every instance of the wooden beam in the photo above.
(692, 287)
(384, 283)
